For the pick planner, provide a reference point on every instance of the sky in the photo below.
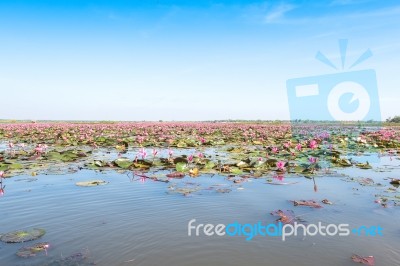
(184, 60)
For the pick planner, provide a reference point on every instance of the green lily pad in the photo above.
(142, 164)
(22, 236)
(364, 165)
(91, 183)
(31, 251)
(65, 156)
(124, 163)
(209, 165)
(181, 144)
(99, 163)
(342, 161)
(242, 164)
(271, 162)
(236, 171)
(15, 166)
(182, 167)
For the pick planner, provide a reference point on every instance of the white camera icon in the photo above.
(346, 96)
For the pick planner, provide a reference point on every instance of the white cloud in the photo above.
(278, 13)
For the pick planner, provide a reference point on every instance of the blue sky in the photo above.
(183, 60)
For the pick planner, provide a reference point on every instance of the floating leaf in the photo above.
(99, 163)
(91, 183)
(142, 164)
(123, 163)
(308, 203)
(271, 162)
(342, 161)
(22, 236)
(242, 164)
(182, 167)
(31, 251)
(326, 201)
(176, 175)
(15, 166)
(364, 165)
(286, 217)
(194, 172)
(236, 171)
(370, 260)
(209, 165)
(185, 189)
(298, 169)
(180, 160)
(224, 190)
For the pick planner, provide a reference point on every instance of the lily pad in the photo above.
(91, 183)
(308, 203)
(370, 260)
(236, 171)
(182, 167)
(176, 175)
(364, 165)
(124, 163)
(23, 236)
(209, 165)
(15, 166)
(31, 251)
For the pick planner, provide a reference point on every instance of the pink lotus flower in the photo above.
(190, 158)
(140, 139)
(1, 192)
(142, 153)
(200, 155)
(313, 144)
(299, 147)
(40, 148)
(275, 150)
(287, 145)
(170, 152)
(313, 160)
(281, 165)
(1, 174)
(154, 152)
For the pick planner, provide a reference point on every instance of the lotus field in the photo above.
(301, 167)
(233, 149)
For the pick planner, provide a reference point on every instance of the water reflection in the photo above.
(2, 186)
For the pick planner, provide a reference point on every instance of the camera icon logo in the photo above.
(344, 96)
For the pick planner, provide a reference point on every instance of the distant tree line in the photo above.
(395, 119)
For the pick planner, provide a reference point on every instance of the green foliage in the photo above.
(395, 119)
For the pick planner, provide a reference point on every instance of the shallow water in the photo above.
(140, 223)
